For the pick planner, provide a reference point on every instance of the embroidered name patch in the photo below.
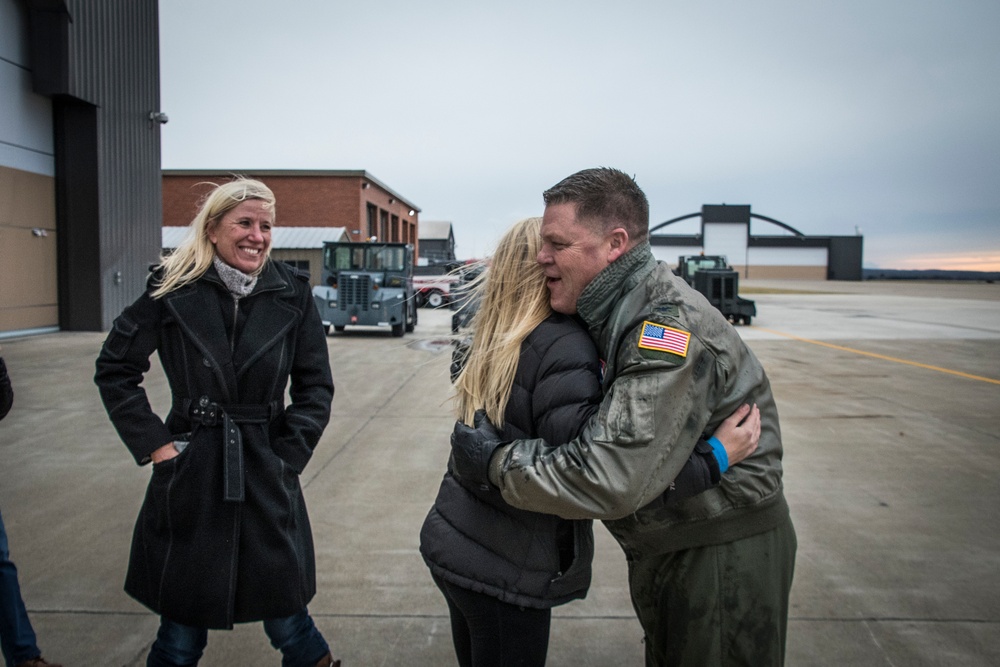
(665, 339)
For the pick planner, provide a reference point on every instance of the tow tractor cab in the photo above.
(367, 284)
(718, 282)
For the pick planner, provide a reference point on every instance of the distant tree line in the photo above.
(930, 274)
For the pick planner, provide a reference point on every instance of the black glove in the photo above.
(701, 472)
(472, 449)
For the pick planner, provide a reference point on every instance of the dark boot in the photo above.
(37, 662)
(328, 661)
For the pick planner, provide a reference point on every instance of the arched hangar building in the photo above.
(725, 230)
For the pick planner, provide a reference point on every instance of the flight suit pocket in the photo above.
(632, 410)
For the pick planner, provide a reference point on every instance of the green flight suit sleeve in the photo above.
(631, 449)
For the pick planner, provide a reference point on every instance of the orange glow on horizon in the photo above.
(988, 261)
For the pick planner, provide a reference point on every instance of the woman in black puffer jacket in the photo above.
(536, 374)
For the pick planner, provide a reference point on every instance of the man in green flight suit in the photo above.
(709, 576)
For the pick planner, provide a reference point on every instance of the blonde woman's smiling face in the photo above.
(243, 236)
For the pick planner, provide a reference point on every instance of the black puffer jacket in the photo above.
(472, 538)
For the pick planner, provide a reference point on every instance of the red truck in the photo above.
(434, 291)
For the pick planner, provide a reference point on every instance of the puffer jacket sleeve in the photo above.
(567, 386)
(311, 389)
(121, 365)
(630, 451)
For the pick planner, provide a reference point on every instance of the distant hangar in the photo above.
(725, 230)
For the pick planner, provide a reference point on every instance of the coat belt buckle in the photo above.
(206, 412)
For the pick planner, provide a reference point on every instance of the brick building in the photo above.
(352, 199)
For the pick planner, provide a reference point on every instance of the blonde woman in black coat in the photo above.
(535, 374)
(223, 535)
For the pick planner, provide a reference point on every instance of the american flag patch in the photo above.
(665, 339)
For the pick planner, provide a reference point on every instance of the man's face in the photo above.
(572, 255)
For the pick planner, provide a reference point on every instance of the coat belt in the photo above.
(209, 413)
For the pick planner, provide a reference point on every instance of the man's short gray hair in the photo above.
(605, 198)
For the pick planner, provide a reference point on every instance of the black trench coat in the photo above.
(223, 536)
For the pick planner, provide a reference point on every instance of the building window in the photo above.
(383, 226)
(372, 224)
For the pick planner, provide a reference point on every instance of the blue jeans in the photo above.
(300, 643)
(17, 638)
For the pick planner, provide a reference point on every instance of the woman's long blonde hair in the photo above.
(513, 301)
(192, 257)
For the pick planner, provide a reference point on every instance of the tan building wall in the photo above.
(28, 288)
(764, 272)
(313, 257)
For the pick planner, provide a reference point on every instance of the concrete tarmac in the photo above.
(889, 394)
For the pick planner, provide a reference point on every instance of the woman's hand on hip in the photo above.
(164, 453)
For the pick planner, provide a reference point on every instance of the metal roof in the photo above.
(434, 229)
(282, 238)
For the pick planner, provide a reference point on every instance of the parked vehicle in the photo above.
(718, 282)
(434, 285)
(465, 304)
(367, 284)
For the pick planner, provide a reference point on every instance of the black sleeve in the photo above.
(6, 390)
(567, 387)
(311, 391)
(119, 372)
(700, 473)
(459, 355)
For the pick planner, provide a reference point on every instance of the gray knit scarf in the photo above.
(239, 283)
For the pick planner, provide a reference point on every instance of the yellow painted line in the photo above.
(883, 357)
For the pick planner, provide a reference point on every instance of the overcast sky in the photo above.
(880, 115)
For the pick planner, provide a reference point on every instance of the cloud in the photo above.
(824, 115)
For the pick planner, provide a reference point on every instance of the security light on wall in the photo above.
(412, 211)
(391, 200)
(158, 117)
(364, 186)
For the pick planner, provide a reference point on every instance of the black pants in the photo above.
(491, 633)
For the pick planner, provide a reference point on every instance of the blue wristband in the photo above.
(720, 454)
